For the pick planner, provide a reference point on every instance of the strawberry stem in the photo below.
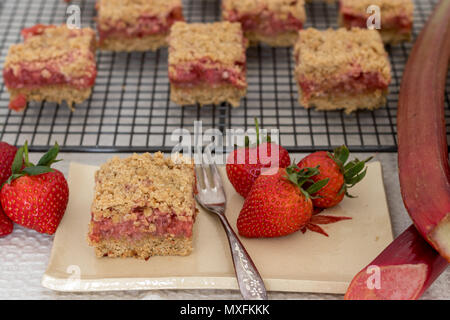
(25, 152)
(257, 131)
(259, 138)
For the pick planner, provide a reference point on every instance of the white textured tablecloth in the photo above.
(25, 253)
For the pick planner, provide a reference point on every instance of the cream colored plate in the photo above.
(299, 262)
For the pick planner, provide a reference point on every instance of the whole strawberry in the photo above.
(245, 164)
(7, 153)
(35, 196)
(277, 205)
(341, 175)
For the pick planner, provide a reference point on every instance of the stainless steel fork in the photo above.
(213, 199)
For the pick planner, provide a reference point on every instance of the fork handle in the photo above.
(250, 282)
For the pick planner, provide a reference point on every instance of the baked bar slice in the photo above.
(143, 206)
(207, 63)
(274, 22)
(136, 25)
(396, 17)
(341, 69)
(54, 63)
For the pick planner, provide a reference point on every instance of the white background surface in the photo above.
(25, 253)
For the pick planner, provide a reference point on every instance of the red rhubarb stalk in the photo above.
(422, 141)
(403, 271)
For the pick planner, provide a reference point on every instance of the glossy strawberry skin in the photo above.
(331, 194)
(36, 202)
(7, 153)
(6, 225)
(244, 165)
(274, 207)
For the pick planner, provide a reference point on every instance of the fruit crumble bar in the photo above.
(341, 69)
(136, 25)
(396, 17)
(274, 22)
(54, 63)
(143, 206)
(207, 63)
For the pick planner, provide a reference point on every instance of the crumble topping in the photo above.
(129, 11)
(144, 183)
(322, 55)
(69, 50)
(388, 8)
(221, 42)
(281, 8)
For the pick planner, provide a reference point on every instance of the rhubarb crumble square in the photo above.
(274, 22)
(136, 25)
(54, 63)
(341, 69)
(207, 63)
(396, 17)
(143, 206)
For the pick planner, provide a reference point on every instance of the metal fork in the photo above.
(213, 199)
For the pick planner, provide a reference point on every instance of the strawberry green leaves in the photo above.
(340, 156)
(21, 165)
(50, 157)
(300, 177)
(353, 171)
(18, 161)
(315, 187)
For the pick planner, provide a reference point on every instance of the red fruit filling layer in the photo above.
(34, 75)
(266, 22)
(146, 26)
(401, 23)
(35, 30)
(355, 82)
(209, 72)
(135, 229)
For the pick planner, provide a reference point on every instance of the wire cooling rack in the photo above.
(130, 110)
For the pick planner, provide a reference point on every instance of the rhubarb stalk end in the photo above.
(440, 237)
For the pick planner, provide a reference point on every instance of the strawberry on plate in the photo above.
(245, 164)
(35, 196)
(277, 205)
(341, 175)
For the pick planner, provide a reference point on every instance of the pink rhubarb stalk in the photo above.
(403, 271)
(422, 140)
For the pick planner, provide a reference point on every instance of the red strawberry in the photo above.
(277, 205)
(6, 225)
(35, 196)
(341, 176)
(7, 153)
(244, 165)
